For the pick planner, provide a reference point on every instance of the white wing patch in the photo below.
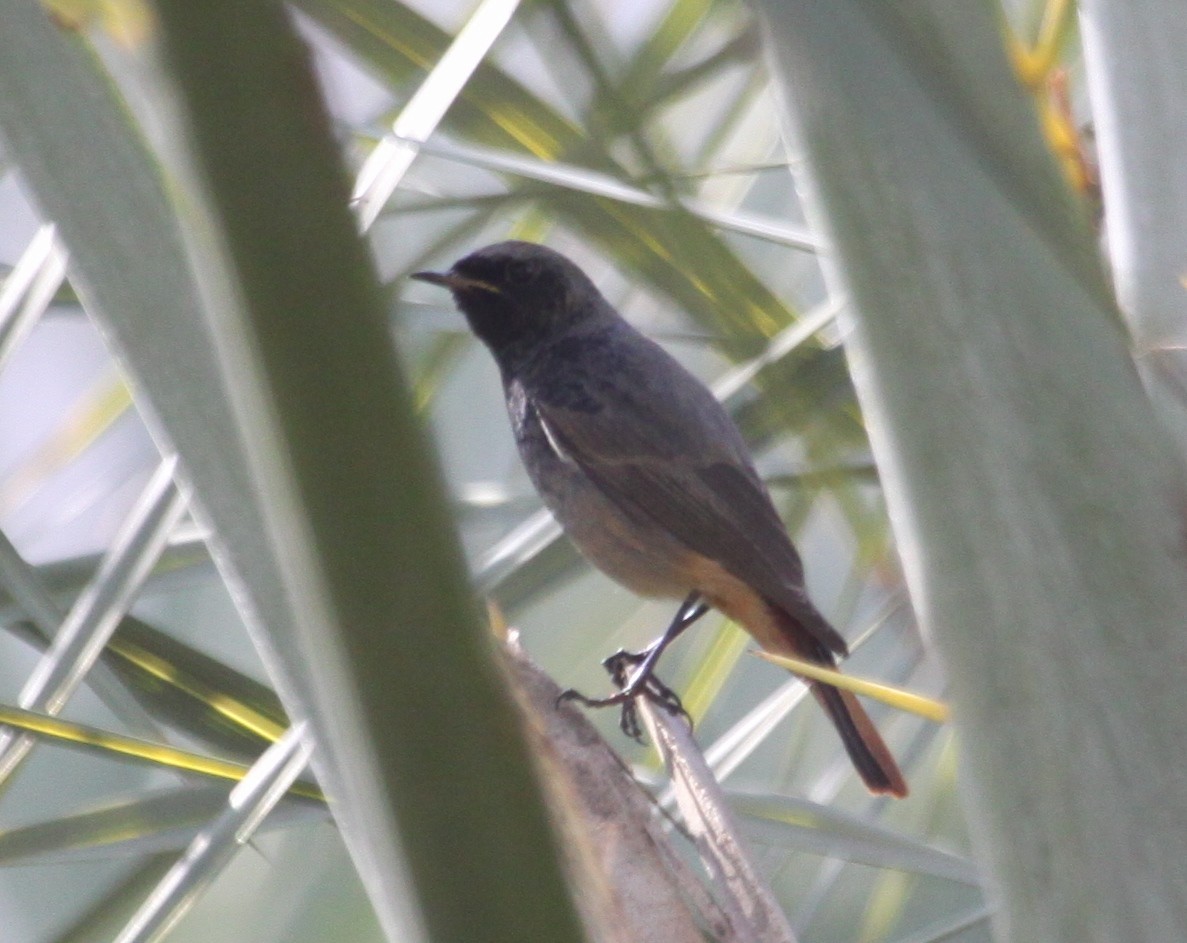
(523, 412)
(552, 440)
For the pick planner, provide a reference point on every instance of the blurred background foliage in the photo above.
(640, 139)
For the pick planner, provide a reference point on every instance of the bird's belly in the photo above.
(632, 552)
(626, 546)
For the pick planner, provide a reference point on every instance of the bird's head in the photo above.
(518, 293)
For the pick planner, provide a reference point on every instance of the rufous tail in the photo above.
(863, 743)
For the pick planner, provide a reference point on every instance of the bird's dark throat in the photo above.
(507, 329)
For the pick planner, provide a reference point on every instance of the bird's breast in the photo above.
(627, 547)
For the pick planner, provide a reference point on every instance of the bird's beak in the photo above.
(455, 282)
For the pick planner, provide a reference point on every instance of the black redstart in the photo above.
(644, 469)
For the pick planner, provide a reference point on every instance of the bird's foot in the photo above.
(632, 685)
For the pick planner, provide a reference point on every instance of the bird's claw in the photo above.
(619, 667)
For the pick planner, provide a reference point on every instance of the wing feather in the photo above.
(684, 465)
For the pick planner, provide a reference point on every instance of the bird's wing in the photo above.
(660, 446)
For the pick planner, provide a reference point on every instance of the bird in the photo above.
(645, 471)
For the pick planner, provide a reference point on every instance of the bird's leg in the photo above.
(645, 661)
(634, 672)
